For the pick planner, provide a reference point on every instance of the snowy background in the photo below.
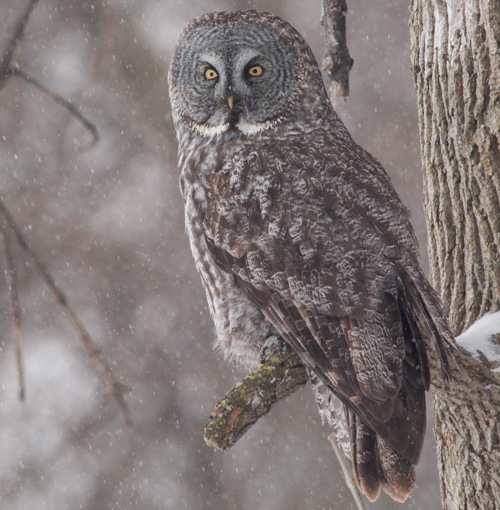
(108, 222)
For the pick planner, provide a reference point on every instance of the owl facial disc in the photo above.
(235, 77)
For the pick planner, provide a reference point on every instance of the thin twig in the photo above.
(112, 384)
(11, 280)
(18, 33)
(349, 481)
(7, 70)
(68, 105)
(337, 62)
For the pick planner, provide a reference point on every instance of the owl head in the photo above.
(241, 73)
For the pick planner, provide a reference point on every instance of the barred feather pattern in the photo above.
(297, 231)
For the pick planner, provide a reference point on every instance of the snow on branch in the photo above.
(482, 339)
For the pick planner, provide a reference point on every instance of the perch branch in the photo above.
(111, 383)
(11, 280)
(337, 61)
(280, 374)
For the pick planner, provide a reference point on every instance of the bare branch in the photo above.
(11, 280)
(280, 374)
(337, 61)
(111, 383)
(7, 70)
(68, 105)
(18, 33)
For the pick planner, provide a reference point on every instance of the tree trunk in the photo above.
(455, 47)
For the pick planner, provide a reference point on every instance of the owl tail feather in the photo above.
(376, 465)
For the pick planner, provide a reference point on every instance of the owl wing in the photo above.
(371, 365)
(324, 269)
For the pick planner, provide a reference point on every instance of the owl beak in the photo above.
(230, 102)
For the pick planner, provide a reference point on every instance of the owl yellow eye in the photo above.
(211, 74)
(255, 71)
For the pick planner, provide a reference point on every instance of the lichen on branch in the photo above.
(280, 374)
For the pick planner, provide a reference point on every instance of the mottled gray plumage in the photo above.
(297, 231)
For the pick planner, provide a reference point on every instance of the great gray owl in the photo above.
(297, 231)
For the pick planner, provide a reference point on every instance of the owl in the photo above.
(297, 231)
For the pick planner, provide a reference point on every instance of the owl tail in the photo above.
(376, 466)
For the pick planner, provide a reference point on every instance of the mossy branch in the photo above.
(280, 374)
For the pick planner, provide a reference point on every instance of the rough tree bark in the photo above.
(455, 47)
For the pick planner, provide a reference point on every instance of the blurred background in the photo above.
(108, 223)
